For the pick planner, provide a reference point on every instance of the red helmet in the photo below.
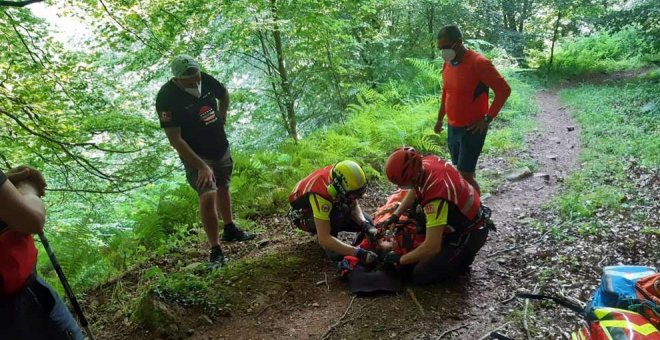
(403, 165)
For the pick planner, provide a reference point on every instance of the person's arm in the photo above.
(329, 242)
(436, 213)
(21, 208)
(494, 80)
(357, 214)
(441, 111)
(220, 92)
(406, 203)
(321, 209)
(223, 107)
(184, 150)
(429, 248)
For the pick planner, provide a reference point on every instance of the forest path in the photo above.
(307, 301)
(473, 302)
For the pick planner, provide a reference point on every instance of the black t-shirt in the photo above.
(201, 125)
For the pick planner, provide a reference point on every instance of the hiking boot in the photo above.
(217, 258)
(233, 234)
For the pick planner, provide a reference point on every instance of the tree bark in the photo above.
(527, 6)
(430, 15)
(18, 3)
(336, 83)
(271, 79)
(284, 78)
(554, 37)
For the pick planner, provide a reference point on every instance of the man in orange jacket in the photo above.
(467, 77)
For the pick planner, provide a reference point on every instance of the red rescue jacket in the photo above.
(315, 183)
(442, 181)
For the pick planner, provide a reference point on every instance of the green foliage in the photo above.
(619, 124)
(199, 287)
(363, 78)
(601, 52)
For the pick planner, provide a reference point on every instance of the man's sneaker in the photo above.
(217, 258)
(232, 234)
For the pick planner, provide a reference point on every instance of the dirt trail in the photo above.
(472, 304)
(307, 301)
(296, 306)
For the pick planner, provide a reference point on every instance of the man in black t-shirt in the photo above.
(192, 108)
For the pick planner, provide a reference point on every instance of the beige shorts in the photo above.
(222, 169)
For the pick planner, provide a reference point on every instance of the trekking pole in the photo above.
(65, 284)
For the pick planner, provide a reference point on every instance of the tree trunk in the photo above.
(271, 80)
(336, 83)
(527, 6)
(430, 15)
(284, 78)
(554, 37)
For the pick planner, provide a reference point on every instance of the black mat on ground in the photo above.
(363, 281)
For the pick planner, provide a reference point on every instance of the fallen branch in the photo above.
(525, 314)
(339, 322)
(325, 281)
(273, 304)
(450, 331)
(493, 331)
(265, 308)
(509, 299)
(286, 283)
(414, 298)
(517, 247)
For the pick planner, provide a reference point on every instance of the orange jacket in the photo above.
(465, 90)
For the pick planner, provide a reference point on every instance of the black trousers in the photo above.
(455, 257)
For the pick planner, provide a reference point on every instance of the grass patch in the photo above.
(601, 52)
(620, 124)
(215, 289)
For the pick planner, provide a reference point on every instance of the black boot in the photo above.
(231, 233)
(217, 258)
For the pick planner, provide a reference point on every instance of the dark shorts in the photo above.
(465, 147)
(37, 312)
(222, 170)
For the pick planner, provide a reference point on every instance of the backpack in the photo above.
(612, 324)
(648, 293)
(617, 286)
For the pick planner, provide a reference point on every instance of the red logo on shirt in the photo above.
(429, 208)
(207, 115)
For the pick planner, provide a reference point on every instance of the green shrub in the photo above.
(599, 52)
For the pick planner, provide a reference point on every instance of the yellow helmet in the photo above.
(348, 178)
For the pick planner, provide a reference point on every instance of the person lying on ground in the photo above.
(29, 307)
(326, 202)
(451, 207)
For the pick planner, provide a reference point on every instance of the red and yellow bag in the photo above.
(648, 289)
(619, 324)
